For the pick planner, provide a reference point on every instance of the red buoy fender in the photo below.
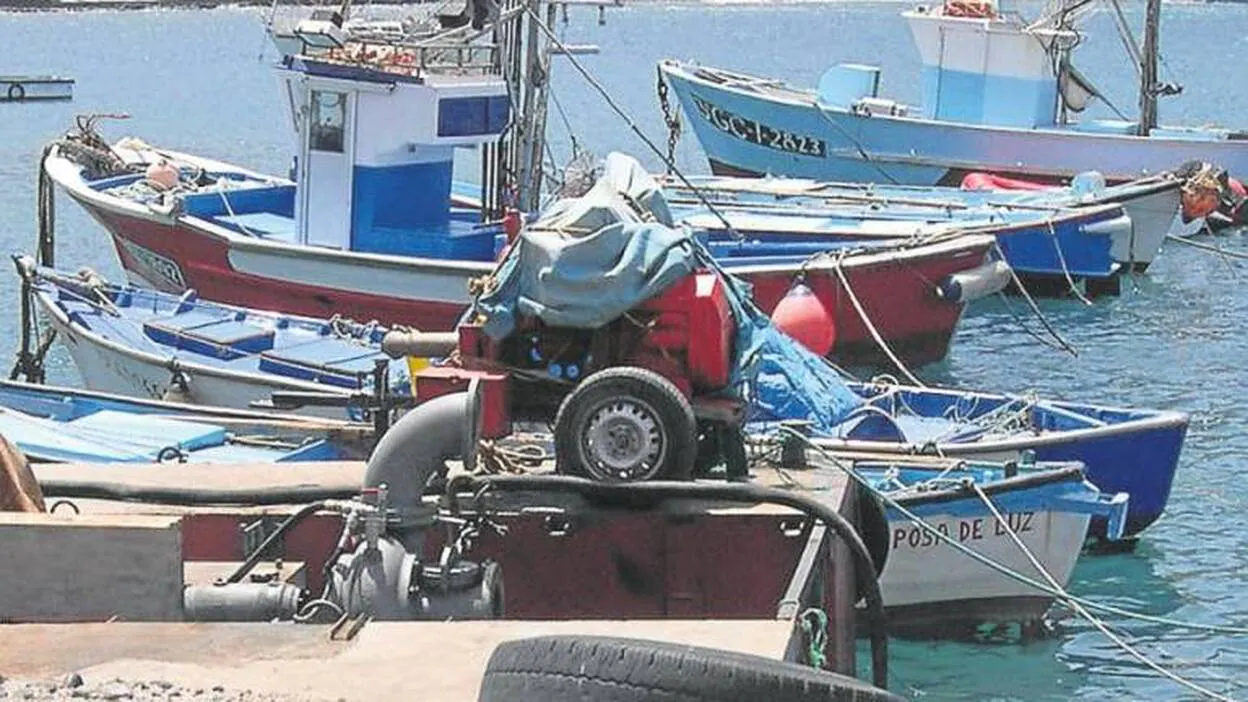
(802, 316)
(989, 181)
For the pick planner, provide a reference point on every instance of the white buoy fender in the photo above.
(978, 282)
(1115, 228)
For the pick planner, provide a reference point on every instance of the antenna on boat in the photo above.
(1148, 68)
(524, 61)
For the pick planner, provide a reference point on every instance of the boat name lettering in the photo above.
(962, 531)
(759, 133)
(167, 270)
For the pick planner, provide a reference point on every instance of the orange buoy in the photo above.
(802, 316)
(162, 175)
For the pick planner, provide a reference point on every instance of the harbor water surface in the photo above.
(200, 81)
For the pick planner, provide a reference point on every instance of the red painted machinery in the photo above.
(632, 400)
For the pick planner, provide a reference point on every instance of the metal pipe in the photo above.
(414, 450)
(397, 344)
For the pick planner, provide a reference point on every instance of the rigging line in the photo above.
(1004, 570)
(875, 334)
(1022, 323)
(862, 151)
(1083, 612)
(1128, 39)
(1035, 309)
(1207, 247)
(619, 111)
(1062, 259)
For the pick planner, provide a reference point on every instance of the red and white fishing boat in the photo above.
(370, 228)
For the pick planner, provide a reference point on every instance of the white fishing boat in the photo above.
(930, 584)
(143, 343)
(26, 88)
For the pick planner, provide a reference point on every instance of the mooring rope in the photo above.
(1082, 611)
(1035, 309)
(875, 334)
(1061, 258)
(1206, 247)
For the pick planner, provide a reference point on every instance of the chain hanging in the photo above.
(671, 118)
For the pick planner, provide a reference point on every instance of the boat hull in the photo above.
(30, 88)
(896, 288)
(929, 586)
(885, 148)
(913, 150)
(1138, 455)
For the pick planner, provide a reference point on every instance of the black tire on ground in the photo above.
(608, 669)
(650, 422)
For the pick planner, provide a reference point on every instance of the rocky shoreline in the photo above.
(74, 687)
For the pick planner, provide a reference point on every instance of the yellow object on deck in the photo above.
(415, 364)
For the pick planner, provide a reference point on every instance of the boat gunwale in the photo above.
(1065, 473)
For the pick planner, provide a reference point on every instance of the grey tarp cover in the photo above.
(588, 260)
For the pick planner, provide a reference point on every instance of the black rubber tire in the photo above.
(608, 669)
(873, 527)
(674, 415)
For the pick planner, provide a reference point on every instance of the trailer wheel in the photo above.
(625, 425)
(577, 668)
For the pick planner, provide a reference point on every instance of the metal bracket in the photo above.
(254, 533)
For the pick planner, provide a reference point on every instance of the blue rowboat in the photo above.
(143, 343)
(53, 424)
(1123, 450)
(931, 586)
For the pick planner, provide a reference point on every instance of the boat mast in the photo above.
(1148, 68)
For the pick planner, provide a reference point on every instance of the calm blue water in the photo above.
(196, 81)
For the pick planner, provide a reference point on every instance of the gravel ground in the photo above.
(74, 687)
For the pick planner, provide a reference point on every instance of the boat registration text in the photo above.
(913, 536)
(759, 133)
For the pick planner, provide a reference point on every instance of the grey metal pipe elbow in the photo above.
(416, 447)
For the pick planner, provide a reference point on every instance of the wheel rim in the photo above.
(624, 440)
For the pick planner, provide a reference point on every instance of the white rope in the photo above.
(1057, 245)
(875, 334)
(1083, 612)
(1035, 309)
(1206, 247)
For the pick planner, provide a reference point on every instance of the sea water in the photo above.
(200, 81)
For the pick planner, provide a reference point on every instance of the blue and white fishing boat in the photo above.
(1123, 450)
(930, 586)
(999, 95)
(1061, 244)
(1150, 203)
(142, 343)
(69, 425)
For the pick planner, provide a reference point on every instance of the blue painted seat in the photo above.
(327, 360)
(209, 335)
(153, 433)
(263, 224)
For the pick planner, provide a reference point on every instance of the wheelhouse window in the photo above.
(329, 118)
